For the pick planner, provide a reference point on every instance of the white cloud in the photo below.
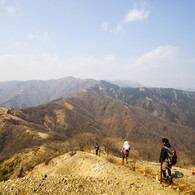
(78, 63)
(48, 66)
(109, 59)
(11, 10)
(31, 36)
(161, 53)
(104, 26)
(156, 68)
(19, 43)
(192, 61)
(39, 36)
(3, 2)
(118, 29)
(10, 6)
(136, 15)
(158, 57)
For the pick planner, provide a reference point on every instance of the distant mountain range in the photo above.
(126, 83)
(173, 105)
(188, 89)
(22, 94)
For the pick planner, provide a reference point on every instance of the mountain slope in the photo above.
(21, 129)
(171, 104)
(22, 94)
(84, 173)
(136, 124)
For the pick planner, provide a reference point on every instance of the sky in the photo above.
(151, 42)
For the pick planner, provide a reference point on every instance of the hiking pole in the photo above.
(122, 159)
(161, 171)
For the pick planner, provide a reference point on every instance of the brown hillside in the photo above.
(173, 105)
(59, 127)
(144, 130)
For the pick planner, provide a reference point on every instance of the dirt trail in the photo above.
(84, 173)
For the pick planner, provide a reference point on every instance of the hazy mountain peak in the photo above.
(126, 83)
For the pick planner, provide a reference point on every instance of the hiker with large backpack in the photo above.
(168, 158)
(125, 151)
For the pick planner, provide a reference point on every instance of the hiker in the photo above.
(167, 160)
(97, 148)
(125, 151)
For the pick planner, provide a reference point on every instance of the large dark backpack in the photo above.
(172, 155)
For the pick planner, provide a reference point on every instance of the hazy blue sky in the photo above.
(151, 42)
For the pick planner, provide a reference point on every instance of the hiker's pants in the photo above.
(125, 156)
(165, 166)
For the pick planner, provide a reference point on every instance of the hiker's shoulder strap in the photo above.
(165, 147)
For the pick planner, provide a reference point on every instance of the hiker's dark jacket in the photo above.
(164, 154)
(97, 147)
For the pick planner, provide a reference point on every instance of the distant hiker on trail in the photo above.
(169, 158)
(125, 151)
(97, 148)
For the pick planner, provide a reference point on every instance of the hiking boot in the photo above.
(170, 179)
(165, 180)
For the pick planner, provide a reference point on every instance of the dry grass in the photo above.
(152, 170)
(111, 159)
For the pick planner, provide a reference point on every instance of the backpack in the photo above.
(172, 155)
(126, 146)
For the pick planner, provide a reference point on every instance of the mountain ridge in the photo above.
(84, 173)
(173, 105)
